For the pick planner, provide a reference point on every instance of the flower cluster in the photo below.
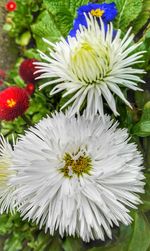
(14, 101)
(72, 173)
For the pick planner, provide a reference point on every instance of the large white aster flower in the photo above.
(7, 200)
(92, 65)
(77, 175)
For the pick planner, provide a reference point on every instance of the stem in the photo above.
(27, 121)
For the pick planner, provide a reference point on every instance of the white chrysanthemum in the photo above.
(7, 201)
(77, 175)
(92, 65)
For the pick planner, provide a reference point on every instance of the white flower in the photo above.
(77, 175)
(7, 201)
(91, 66)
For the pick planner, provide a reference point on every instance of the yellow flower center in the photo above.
(86, 62)
(97, 13)
(11, 102)
(76, 166)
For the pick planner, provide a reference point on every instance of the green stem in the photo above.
(27, 121)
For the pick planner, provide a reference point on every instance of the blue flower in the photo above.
(73, 32)
(106, 11)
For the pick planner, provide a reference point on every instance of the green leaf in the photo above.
(143, 16)
(64, 20)
(7, 27)
(54, 6)
(55, 245)
(146, 196)
(134, 237)
(24, 39)
(45, 27)
(142, 128)
(71, 243)
(140, 240)
(41, 242)
(63, 13)
(14, 243)
(142, 98)
(5, 224)
(128, 10)
(31, 53)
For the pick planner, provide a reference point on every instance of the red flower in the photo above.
(11, 6)
(14, 101)
(30, 88)
(27, 69)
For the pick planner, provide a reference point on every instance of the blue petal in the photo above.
(110, 10)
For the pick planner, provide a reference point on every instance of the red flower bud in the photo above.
(30, 88)
(27, 69)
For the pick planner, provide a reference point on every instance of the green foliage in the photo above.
(142, 128)
(145, 207)
(143, 16)
(128, 11)
(132, 238)
(54, 6)
(25, 236)
(21, 19)
(70, 244)
(45, 27)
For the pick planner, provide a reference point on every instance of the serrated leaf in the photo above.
(143, 16)
(45, 27)
(128, 10)
(63, 13)
(54, 6)
(64, 21)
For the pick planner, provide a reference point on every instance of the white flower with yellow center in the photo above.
(77, 175)
(7, 200)
(92, 65)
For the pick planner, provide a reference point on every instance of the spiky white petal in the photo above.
(86, 205)
(92, 65)
(7, 201)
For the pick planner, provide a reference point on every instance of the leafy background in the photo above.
(51, 19)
